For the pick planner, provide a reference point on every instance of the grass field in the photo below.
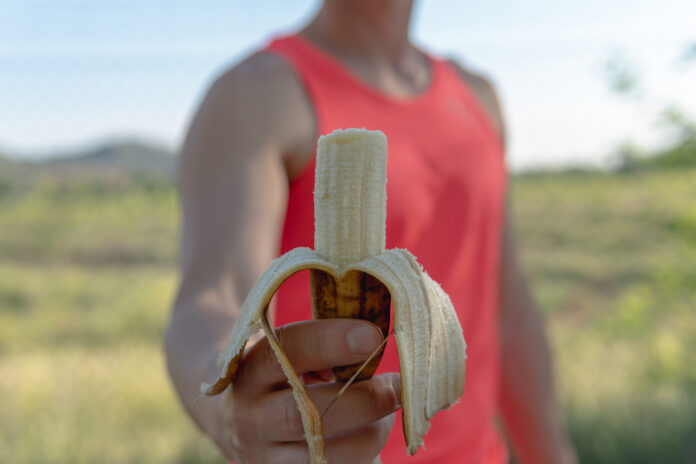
(88, 270)
(613, 262)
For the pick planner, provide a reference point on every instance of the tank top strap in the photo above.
(318, 72)
(321, 75)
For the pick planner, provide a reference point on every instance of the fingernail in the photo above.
(396, 385)
(363, 339)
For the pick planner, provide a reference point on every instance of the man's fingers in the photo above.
(362, 445)
(357, 447)
(361, 404)
(310, 346)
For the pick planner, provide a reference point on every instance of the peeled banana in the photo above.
(353, 276)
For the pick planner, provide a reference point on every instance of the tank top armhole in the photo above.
(480, 108)
(278, 48)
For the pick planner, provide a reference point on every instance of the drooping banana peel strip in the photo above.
(350, 213)
(429, 340)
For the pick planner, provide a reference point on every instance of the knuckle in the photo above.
(291, 420)
(240, 426)
(242, 431)
(278, 419)
(281, 416)
(380, 396)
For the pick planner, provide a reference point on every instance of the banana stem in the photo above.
(311, 419)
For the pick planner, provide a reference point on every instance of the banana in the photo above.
(352, 275)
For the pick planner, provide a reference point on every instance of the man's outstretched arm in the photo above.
(234, 180)
(529, 405)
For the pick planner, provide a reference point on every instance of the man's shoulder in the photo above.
(485, 90)
(262, 75)
(263, 94)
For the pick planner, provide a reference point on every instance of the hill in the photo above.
(120, 158)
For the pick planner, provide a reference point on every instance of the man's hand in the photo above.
(259, 420)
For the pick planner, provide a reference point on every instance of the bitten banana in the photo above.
(353, 276)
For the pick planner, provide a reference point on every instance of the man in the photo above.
(246, 179)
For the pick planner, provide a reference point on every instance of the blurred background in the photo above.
(95, 98)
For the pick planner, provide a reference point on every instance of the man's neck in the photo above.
(369, 30)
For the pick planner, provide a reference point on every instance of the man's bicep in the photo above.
(233, 192)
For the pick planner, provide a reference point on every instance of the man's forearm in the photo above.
(194, 337)
(529, 404)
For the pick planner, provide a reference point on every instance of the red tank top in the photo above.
(445, 195)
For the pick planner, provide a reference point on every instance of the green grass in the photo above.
(88, 271)
(613, 261)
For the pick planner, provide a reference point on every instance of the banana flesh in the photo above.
(353, 276)
(350, 212)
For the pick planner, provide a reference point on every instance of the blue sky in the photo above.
(73, 73)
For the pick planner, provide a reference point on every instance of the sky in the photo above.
(78, 72)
